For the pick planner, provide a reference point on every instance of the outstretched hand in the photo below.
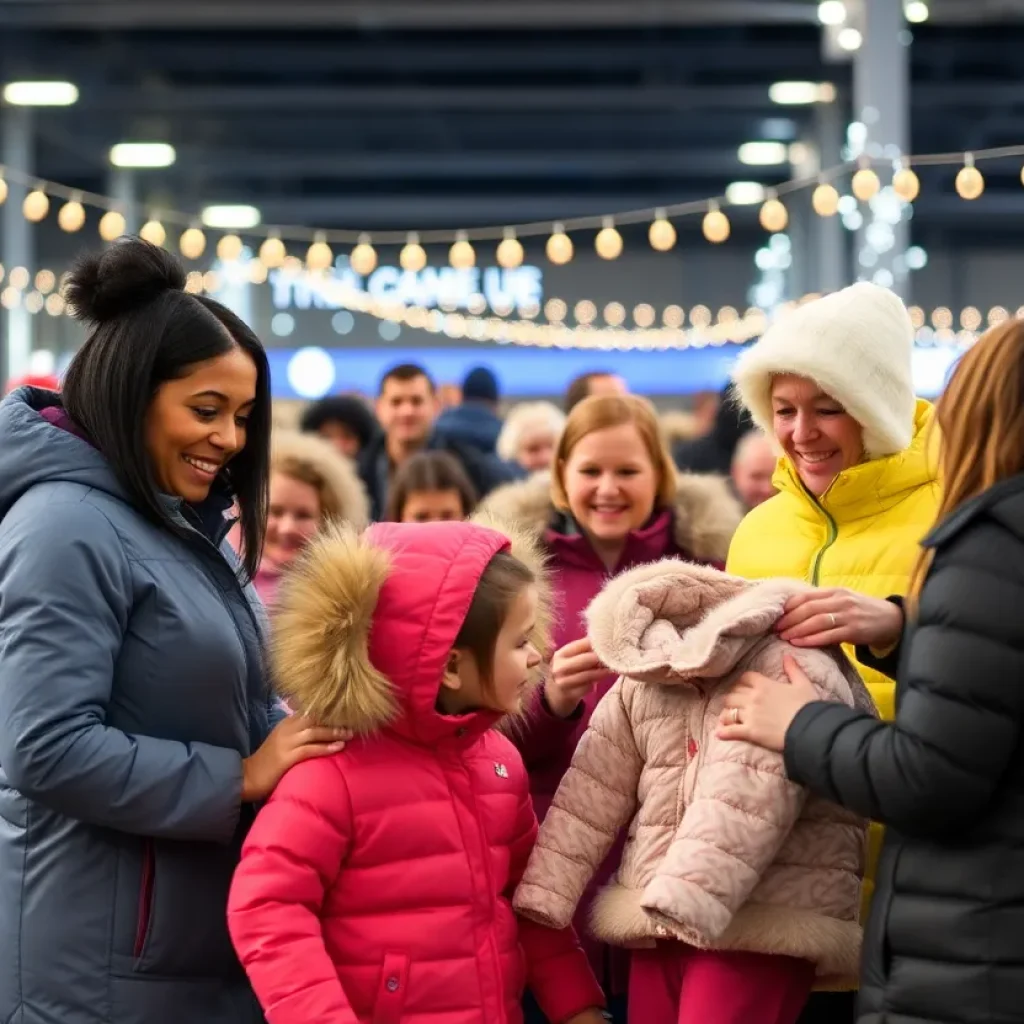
(761, 710)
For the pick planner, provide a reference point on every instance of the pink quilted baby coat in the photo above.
(723, 851)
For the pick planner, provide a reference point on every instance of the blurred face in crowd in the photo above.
(432, 507)
(292, 520)
(752, 470)
(611, 484)
(341, 437)
(536, 451)
(818, 435)
(406, 410)
(197, 423)
(607, 385)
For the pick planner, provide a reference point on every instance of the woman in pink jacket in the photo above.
(612, 502)
(377, 888)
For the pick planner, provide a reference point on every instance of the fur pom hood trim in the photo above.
(333, 661)
(706, 514)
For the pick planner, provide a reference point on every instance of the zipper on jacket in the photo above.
(145, 896)
(833, 532)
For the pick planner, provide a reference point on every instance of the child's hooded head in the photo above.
(432, 629)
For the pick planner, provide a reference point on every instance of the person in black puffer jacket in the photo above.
(944, 941)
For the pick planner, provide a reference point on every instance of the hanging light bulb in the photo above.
(865, 184)
(461, 255)
(661, 235)
(192, 243)
(509, 253)
(413, 256)
(716, 225)
(969, 181)
(3, 190)
(153, 232)
(272, 252)
(229, 249)
(906, 184)
(773, 216)
(559, 248)
(319, 255)
(363, 259)
(608, 242)
(71, 217)
(36, 206)
(112, 225)
(825, 200)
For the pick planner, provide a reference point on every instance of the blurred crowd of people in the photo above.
(570, 713)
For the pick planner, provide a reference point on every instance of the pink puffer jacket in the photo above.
(375, 886)
(723, 851)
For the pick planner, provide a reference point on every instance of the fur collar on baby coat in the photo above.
(724, 852)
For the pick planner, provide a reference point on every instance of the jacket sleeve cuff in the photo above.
(543, 735)
(809, 741)
(887, 662)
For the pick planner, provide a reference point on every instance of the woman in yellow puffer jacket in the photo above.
(832, 383)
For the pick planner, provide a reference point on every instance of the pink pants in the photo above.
(677, 984)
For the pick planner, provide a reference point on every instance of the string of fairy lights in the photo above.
(673, 327)
(640, 327)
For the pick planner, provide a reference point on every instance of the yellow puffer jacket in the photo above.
(863, 533)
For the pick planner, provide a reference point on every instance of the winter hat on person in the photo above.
(480, 385)
(856, 345)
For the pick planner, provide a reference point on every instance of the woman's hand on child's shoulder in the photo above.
(292, 741)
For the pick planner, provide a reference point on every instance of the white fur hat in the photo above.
(856, 345)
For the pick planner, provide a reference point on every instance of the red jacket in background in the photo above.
(375, 886)
(698, 527)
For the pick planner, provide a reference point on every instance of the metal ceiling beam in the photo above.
(449, 14)
(264, 98)
(399, 14)
(369, 57)
(204, 164)
(554, 100)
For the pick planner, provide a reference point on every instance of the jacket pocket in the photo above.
(181, 930)
(391, 989)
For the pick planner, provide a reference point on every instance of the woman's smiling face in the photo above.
(818, 435)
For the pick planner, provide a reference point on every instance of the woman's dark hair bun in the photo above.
(130, 274)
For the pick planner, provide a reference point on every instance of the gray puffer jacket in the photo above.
(132, 685)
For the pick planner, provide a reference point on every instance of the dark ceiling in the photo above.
(443, 113)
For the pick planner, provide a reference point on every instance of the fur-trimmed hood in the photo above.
(342, 491)
(365, 623)
(705, 512)
(674, 621)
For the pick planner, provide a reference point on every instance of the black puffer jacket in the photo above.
(944, 941)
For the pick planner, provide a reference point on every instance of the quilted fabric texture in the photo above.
(723, 851)
(376, 884)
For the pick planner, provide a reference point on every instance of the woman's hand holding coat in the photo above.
(761, 710)
(820, 618)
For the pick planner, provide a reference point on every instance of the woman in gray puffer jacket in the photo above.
(136, 726)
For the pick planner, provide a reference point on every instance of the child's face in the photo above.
(515, 659)
(292, 520)
(432, 507)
